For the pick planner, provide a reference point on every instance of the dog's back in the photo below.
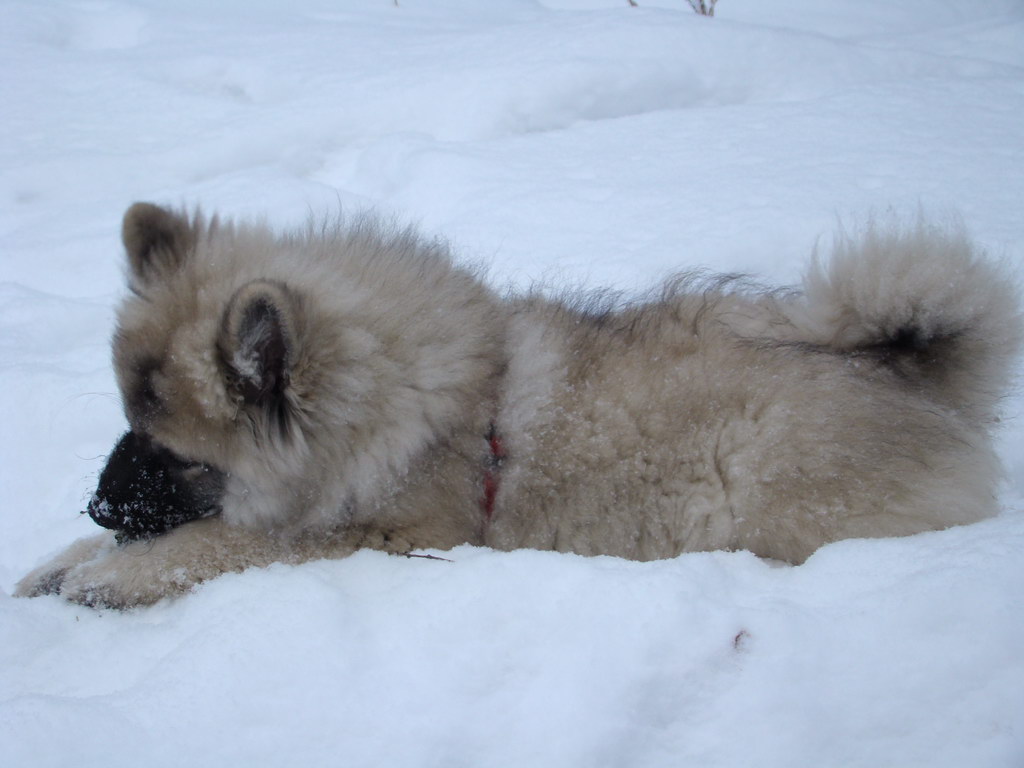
(723, 418)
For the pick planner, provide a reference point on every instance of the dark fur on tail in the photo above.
(925, 303)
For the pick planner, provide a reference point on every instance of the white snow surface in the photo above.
(576, 142)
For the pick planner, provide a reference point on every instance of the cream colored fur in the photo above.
(713, 416)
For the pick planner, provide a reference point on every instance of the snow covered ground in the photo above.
(575, 141)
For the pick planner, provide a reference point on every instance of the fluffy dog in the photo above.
(301, 396)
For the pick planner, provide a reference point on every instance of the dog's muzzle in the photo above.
(145, 490)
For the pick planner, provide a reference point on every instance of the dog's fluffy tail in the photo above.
(923, 302)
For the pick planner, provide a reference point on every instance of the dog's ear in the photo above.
(257, 341)
(157, 240)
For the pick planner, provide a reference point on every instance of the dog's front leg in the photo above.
(47, 579)
(98, 573)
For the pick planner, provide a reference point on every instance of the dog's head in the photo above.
(274, 377)
(203, 354)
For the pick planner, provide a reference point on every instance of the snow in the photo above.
(576, 142)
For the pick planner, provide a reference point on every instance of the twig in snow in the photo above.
(424, 557)
(703, 8)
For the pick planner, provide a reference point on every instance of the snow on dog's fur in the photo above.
(341, 387)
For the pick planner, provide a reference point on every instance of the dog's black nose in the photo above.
(146, 490)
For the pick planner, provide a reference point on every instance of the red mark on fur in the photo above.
(491, 478)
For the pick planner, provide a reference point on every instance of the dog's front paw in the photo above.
(49, 579)
(102, 574)
(127, 577)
